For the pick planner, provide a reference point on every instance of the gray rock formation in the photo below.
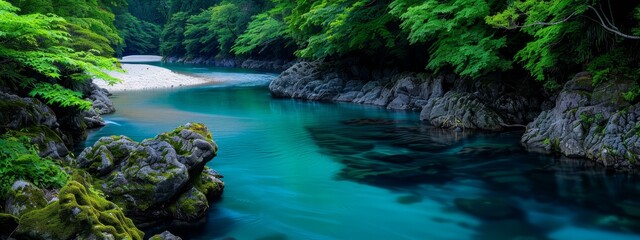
(160, 177)
(101, 105)
(465, 110)
(443, 100)
(17, 113)
(33, 119)
(589, 122)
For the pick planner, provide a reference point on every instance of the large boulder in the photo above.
(33, 119)
(23, 198)
(159, 177)
(463, 110)
(592, 122)
(78, 214)
(18, 113)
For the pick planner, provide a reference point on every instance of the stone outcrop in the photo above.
(28, 117)
(78, 214)
(163, 177)
(18, 113)
(101, 105)
(443, 100)
(592, 122)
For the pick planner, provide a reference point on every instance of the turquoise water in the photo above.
(307, 170)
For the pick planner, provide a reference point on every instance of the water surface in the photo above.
(307, 170)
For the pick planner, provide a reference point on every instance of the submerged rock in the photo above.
(79, 214)
(159, 177)
(487, 208)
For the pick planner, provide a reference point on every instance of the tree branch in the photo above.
(603, 21)
(609, 28)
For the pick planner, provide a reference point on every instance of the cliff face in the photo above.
(580, 121)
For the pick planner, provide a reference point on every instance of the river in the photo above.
(309, 170)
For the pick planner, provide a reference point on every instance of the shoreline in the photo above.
(148, 77)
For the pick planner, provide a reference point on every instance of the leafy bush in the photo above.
(19, 160)
(34, 55)
(633, 94)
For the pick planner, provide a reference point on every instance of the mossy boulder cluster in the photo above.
(162, 177)
(78, 214)
(592, 122)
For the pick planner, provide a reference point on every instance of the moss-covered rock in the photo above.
(23, 198)
(78, 214)
(190, 206)
(589, 122)
(166, 235)
(210, 184)
(48, 141)
(144, 178)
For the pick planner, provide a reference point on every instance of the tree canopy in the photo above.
(38, 54)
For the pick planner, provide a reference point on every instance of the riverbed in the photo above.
(309, 170)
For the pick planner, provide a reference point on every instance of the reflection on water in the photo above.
(306, 170)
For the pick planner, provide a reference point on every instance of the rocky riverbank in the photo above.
(580, 121)
(444, 101)
(113, 186)
(592, 122)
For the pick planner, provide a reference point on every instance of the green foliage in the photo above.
(334, 27)
(173, 35)
(33, 55)
(140, 37)
(55, 94)
(615, 64)
(90, 23)
(19, 160)
(263, 30)
(568, 34)
(633, 94)
(460, 37)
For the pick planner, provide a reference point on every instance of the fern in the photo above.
(19, 160)
(55, 94)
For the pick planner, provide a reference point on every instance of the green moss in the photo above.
(547, 141)
(26, 199)
(198, 128)
(209, 185)
(78, 214)
(190, 206)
